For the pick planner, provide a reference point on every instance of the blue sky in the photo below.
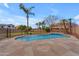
(11, 13)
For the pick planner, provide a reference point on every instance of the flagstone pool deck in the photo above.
(50, 47)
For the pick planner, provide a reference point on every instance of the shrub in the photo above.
(47, 29)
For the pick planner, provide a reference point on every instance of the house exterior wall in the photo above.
(7, 26)
(59, 28)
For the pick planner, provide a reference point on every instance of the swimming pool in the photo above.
(41, 37)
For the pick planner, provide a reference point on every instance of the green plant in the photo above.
(29, 28)
(47, 29)
(27, 12)
(22, 27)
(39, 25)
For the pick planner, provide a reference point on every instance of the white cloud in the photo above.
(76, 17)
(8, 18)
(54, 11)
(33, 21)
(6, 5)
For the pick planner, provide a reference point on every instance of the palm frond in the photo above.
(30, 8)
(21, 6)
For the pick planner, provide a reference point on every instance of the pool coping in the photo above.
(70, 37)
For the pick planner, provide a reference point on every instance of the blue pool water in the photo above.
(41, 37)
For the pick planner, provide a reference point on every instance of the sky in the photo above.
(10, 13)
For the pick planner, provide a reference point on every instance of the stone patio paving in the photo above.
(50, 47)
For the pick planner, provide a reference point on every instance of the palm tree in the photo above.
(43, 24)
(70, 25)
(27, 12)
(39, 25)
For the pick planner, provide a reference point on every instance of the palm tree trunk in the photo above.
(27, 22)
